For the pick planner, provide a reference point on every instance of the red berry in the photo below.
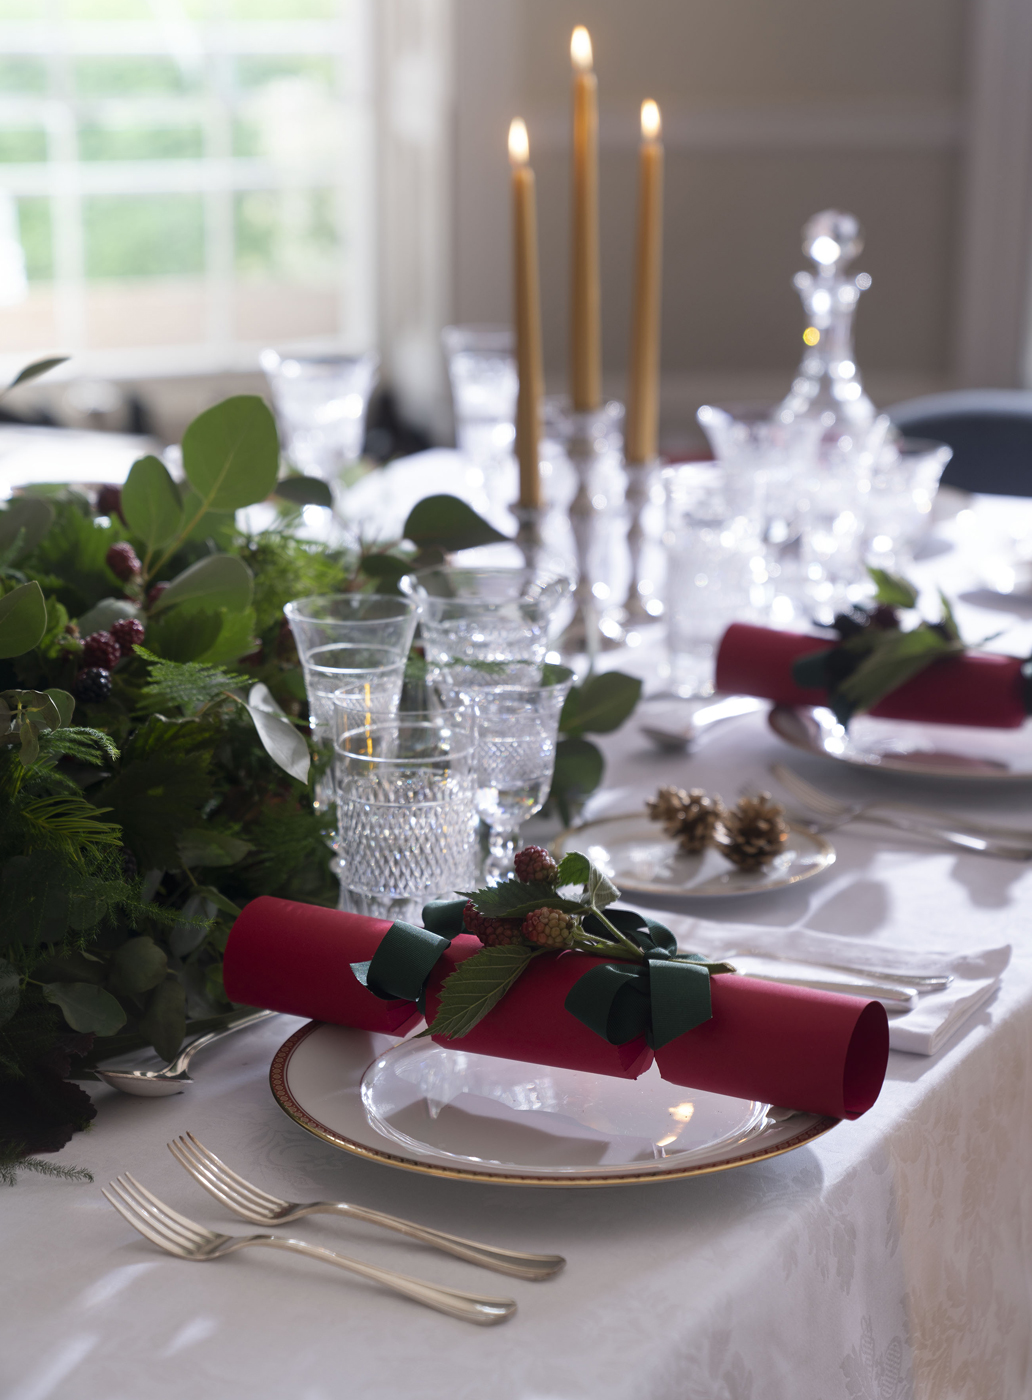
(93, 685)
(549, 928)
(534, 864)
(493, 933)
(885, 617)
(122, 561)
(109, 500)
(101, 649)
(128, 633)
(155, 593)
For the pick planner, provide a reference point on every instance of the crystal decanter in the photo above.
(827, 386)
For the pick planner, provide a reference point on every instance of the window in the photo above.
(188, 179)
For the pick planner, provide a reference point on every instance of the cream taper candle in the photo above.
(527, 299)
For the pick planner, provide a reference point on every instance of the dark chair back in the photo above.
(990, 431)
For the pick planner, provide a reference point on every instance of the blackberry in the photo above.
(549, 928)
(533, 864)
(128, 633)
(101, 649)
(493, 933)
(92, 685)
(109, 501)
(885, 617)
(155, 593)
(122, 561)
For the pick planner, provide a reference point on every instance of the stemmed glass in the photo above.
(485, 615)
(517, 707)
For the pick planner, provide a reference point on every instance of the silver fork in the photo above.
(251, 1203)
(177, 1235)
(839, 812)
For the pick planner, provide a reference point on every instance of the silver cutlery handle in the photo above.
(470, 1307)
(179, 1064)
(504, 1261)
(898, 998)
(967, 841)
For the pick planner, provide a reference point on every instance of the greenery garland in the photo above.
(155, 780)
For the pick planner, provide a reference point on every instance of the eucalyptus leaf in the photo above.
(34, 370)
(476, 986)
(10, 990)
(280, 738)
(600, 705)
(219, 581)
(219, 900)
(445, 522)
(164, 1021)
(29, 517)
(150, 502)
(203, 846)
(137, 966)
(191, 928)
(236, 637)
(305, 491)
(64, 704)
(895, 659)
(23, 619)
(231, 453)
(86, 1007)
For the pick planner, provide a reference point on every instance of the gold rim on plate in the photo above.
(824, 849)
(278, 1075)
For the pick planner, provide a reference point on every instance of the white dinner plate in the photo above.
(638, 856)
(416, 1105)
(902, 746)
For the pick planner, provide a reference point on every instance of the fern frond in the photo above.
(182, 685)
(87, 745)
(69, 824)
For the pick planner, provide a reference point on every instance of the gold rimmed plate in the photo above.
(443, 1112)
(959, 752)
(640, 858)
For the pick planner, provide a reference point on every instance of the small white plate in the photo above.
(419, 1106)
(640, 858)
(903, 746)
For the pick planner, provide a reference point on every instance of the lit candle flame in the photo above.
(519, 142)
(580, 49)
(650, 121)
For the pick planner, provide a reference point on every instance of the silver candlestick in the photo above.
(528, 536)
(640, 476)
(588, 439)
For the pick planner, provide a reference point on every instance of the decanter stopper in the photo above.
(827, 385)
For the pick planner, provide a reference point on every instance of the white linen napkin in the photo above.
(922, 1031)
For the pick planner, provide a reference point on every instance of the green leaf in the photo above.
(150, 502)
(103, 614)
(281, 740)
(445, 522)
(191, 928)
(28, 517)
(231, 453)
(600, 705)
(477, 985)
(387, 567)
(86, 1007)
(23, 619)
(164, 1021)
(184, 634)
(137, 966)
(513, 899)
(948, 619)
(894, 591)
(579, 767)
(186, 687)
(219, 900)
(202, 846)
(219, 581)
(599, 889)
(235, 639)
(305, 491)
(34, 370)
(573, 870)
(896, 657)
(156, 799)
(10, 990)
(64, 704)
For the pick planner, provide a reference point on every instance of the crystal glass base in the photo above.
(475, 1108)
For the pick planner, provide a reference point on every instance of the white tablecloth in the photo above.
(890, 1259)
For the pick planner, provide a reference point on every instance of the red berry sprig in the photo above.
(101, 649)
(122, 561)
(533, 865)
(128, 633)
(493, 933)
(549, 928)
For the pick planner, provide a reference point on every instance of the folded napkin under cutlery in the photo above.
(938, 1015)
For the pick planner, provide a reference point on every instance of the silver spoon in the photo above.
(173, 1078)
(683, 740)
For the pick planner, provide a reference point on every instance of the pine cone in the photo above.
(753, 833)
(690, 816)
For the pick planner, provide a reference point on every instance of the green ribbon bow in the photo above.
(660, 998)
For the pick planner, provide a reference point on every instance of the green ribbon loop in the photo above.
(444, 916)
(661, 998)
(401, 965)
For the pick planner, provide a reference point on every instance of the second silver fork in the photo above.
(251, 1203)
